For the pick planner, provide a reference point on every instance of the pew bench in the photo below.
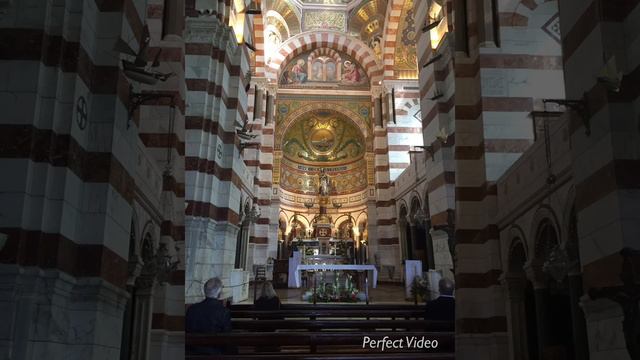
(320, 342)
(343, 325)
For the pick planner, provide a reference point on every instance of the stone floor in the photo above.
(384, 294)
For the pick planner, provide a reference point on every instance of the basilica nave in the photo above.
(150, 145)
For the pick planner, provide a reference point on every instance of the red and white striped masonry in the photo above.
(493, 129)
(606, 166)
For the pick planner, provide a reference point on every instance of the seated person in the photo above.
(443, 308)
(209, 316)
(268, 301)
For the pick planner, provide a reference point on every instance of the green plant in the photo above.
(339, 291)
(419, 287)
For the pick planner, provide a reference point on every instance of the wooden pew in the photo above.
(381, 356)
(329, 325)
(329, 313)
(342, 341)
(334, 306)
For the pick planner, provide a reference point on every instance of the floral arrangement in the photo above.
(341, 289)
(419, 288)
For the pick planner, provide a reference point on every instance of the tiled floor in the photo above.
(383, 294)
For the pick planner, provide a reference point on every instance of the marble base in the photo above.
(239, 284)
(50, 314)
(604, 328)
(210, 252)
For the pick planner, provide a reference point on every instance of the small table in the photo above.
(318, 267)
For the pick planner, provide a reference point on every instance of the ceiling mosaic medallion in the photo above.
(323, 136)
(322, 140)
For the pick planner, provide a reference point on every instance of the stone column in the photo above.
(414, 251)
(430, 249)
(142, 312)
(541, 294)
(578, 322)
(514, 284)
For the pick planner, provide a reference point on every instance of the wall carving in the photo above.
(324, 20)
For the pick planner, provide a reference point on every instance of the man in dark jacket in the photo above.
(443, 308)
(209, 316)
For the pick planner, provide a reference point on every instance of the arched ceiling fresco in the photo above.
(324, 68)
(366, 22)
(323, 137)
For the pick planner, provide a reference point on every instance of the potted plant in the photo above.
(419, 289)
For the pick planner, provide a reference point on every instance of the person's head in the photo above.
(213, 288)
(445, 286)
(267, 290)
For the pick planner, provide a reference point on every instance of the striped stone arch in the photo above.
(519, 12)
(392, 23)
(300, 43)
(406, 106)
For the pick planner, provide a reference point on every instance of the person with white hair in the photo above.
(208, 316)
(443, 308)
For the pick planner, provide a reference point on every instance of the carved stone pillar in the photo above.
(534, 273)
(515, 284)
(578, 322)
(142, 313)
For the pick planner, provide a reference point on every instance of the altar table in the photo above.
(318, 267)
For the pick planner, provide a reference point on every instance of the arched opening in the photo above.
(552, 297)
(136, 334)
(128, 318)
(405, 234)
(419, 232)
(521, 304)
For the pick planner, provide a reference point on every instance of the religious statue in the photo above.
(324, 183)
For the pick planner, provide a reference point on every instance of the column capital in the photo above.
(533, 270)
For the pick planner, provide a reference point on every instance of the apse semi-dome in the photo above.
(323, 139)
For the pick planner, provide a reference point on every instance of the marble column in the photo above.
(541, 294)
(142, 313)
(514, 284)
(578, 322)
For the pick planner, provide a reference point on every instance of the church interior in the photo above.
(355, 154)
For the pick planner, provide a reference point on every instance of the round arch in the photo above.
(517, 256)
(415, 205)
(543, 215)
(338, 41)
(403, 213)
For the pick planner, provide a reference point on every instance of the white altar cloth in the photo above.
(300, 268)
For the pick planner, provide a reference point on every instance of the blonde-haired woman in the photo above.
(268, 299)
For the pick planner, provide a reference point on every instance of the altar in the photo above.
(334, 267)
